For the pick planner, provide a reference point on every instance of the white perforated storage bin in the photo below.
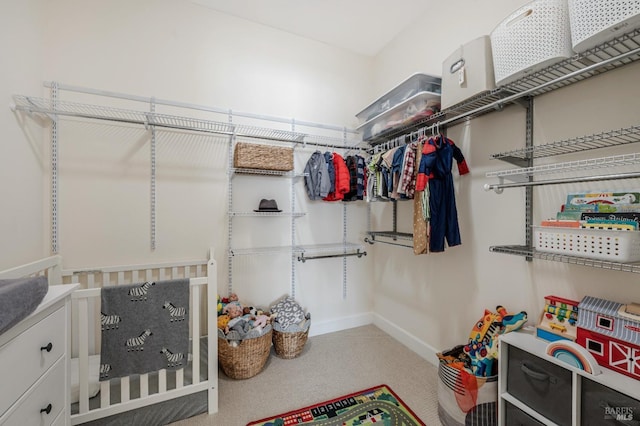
(615, 246)
(594, 22)
(467, 72)
(533, 37)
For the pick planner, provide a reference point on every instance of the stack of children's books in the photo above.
(615, 210)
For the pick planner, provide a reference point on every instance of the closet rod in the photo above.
(500, 186)
(118, 95)
(302, 258)
(499, 103)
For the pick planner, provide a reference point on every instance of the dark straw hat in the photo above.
(268, 206)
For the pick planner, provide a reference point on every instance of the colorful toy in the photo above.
(482, 347)
(610, 331)
(574, 355)
(223, 320)
(219, 306)
(558, 320)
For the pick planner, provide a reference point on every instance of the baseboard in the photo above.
(340, 324)
(409, 340)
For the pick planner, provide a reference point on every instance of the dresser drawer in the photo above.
(516, 417)
(47, 394)
(539, 384)
(601, 405)
(22, 361)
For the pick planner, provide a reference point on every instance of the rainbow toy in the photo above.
(574, 355)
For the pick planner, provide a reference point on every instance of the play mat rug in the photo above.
(373, 406)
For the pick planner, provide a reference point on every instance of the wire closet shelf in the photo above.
(31, 104)
(616, 53)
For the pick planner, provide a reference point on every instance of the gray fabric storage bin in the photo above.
(516, 417)
(601, 405)
(541, 385)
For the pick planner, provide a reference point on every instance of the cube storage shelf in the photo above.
(537, 389)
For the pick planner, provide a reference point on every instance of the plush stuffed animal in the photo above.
(511, 322)
(223, 320)
(261, 321)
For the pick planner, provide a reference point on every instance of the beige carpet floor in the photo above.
(330, 365)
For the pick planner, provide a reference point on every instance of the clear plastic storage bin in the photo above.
(410, 87)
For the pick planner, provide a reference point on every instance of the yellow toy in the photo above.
(223, 320)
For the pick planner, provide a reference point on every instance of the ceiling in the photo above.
(361, 26)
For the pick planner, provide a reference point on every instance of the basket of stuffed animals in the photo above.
(244, 339)
(289, 342)
(242, 359)
(290, 328)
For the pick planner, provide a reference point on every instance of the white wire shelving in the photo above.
(520, 177)
(574, 260)
(35, 105)
(267, 214)
(600, 140)
(613, 54)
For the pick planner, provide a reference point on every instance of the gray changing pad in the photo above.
(19, 297)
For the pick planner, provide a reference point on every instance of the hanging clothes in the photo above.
(420, 223)
(355, 165)
(408, 174)
(328, 158)
(341, 179)
(316, 180)
(435, 171)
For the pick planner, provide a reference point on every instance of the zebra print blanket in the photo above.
(145, 327)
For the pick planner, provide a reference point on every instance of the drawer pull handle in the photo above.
(47, 348)
(533, 374)
(47, 409)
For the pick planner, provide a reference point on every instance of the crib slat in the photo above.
(174, 272)
(125, 392)
(94, 343)
(195, 332)
(144, 385)
(161, 274)
(187, 271)
(105, 394)
(162, 381)
(134, 276)
(148, 275)
(179, 378)
(121, 277)
(83, 354)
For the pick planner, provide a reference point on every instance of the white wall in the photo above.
(22, 159)
(181, 51)
(433, 301)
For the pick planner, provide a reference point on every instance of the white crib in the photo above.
(133, 396)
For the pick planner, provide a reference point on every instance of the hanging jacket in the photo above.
(328, 158)
(342, 179)
(433, 164)
(352, 167)
(317, 182)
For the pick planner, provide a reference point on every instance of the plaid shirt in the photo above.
(407, 179)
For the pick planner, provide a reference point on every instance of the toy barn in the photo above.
(611, 332)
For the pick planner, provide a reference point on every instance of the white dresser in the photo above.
(34, 364)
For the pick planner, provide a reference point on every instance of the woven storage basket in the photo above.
(289, 342)
(248, 358)
(595, 21)
(264, 157)
(535, 36)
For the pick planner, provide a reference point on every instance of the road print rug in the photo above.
(374, 406)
